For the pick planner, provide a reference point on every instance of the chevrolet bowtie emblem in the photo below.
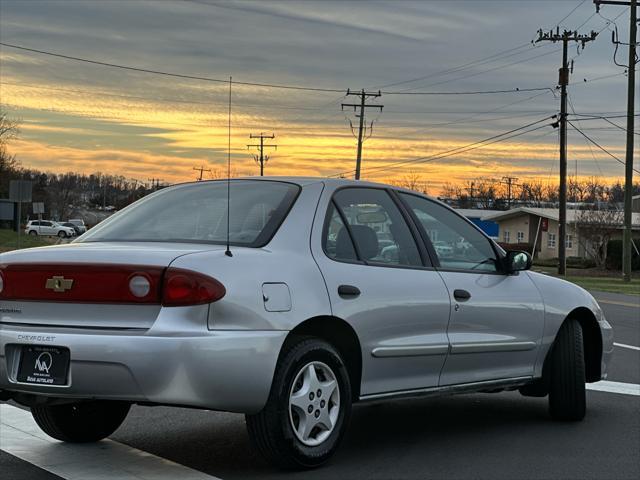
(59, 284)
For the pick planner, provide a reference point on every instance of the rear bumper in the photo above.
(219, 370)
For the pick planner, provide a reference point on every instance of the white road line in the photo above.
(626, 346)
(615, 387)
(21, 437)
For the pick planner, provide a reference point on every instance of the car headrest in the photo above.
(366, 239)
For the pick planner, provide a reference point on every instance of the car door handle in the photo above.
(461, 294)
(348, 291)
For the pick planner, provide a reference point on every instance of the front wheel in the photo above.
(308, 409)
(33, 232)
(81, 422)
(62, 234)
(567, 396)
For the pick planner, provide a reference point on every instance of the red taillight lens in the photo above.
(186, 287)
(81, 283)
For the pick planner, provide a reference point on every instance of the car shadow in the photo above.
(382, 440)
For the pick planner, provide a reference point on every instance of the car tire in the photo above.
(62, 234)
(567, 396)
(81, 422)
(33, 232)
(278, 432)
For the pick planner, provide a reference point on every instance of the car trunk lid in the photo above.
(86, 285)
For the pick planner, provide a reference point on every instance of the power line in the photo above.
(454, 69)
(169, 74)
(161, 99)
(454, 153)
(451, 151)
(617, 159)
(571, 12)
(499, 67)
(476, 92)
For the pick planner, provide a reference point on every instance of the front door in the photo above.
(497, 319)
(380, 281)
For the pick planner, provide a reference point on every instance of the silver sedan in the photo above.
(288, 300)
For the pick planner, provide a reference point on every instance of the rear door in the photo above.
(497, 320)
(46, 228)
(380, 281)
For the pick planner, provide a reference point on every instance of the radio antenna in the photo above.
(228, 251)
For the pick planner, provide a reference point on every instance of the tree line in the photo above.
(489, 193)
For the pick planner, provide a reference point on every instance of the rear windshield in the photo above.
(198, 213)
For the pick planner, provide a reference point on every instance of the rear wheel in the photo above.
(567, 397)
(81, 422)
(308, 409)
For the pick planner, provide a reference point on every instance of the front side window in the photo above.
(459, 246)
(375, 226)
(198, 213)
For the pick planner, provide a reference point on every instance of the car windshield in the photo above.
(198, 213)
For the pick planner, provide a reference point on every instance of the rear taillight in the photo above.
(81, 283)
(186, 287)
(1, 284)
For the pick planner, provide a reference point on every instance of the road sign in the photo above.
(38, 208)
(20, 190)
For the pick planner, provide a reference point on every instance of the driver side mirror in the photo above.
(516, 261)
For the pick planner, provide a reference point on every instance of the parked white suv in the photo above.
(47, 227)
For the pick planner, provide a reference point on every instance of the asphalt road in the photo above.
(479, 436)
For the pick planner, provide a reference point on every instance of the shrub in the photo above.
(614, 255)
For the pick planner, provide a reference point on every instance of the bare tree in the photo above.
(533, 193)
(221, 173)
(596, 227)
(412, 181)
(8, 164)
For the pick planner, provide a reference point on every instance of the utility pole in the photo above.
(509, 182)
(628, 168)
(564, 37)
(361, 130)
(201, 169)
(262, 158)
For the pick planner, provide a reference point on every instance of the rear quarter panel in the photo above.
(286, 260)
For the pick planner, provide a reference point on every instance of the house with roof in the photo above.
(536, 229)
(480, 218)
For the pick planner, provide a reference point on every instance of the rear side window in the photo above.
(375, 227)
(198, 213)
(337, 241)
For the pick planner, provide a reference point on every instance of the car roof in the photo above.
(331, 182)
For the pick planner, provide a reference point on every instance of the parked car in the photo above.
(79, 225)
(76, 229)
(443, 249)
(48, 228)
(279, 305)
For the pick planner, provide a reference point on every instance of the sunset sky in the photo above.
(82, 117)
